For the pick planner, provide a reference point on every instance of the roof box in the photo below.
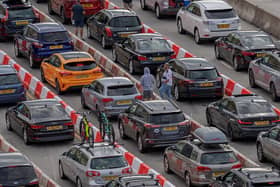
(210, 135)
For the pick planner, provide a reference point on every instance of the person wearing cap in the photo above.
(166, 83)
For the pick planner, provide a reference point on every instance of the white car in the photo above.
(207, 19)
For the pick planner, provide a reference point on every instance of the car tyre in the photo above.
(43, 79)
(273, 92)
(230, 133)
(8, 124)
(157, 11)
(166, 165)
(65, 20)
(83, 102)
(236, 65)
(57, 88)
(16, 49)
(197, 38)
(217, 53)
(177, 93)
(252, 79)
(131, 67)
(114, 55)
(122, 131)
(31, 61)
(143, 5)
(25, 137)
(180, 26)
(140, 144)
(209, 118)
(60, 171)
(78, 182)
(50, 10)
(158, 80)
(187, 179)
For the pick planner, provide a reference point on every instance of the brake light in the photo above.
(141, 58)
(246, 53)
(202, 169)
(68, 124)
(12, 166)
(37, 45)
(139, 97)
(35, 181)
(151, 126)
(142, 29)
(108, 32)
(64, 73)
(4, 19)
(236, 166)
(107, 100)
(127, 171)
(244, 122)
(275, 121)
(92, 173)
(37, 126)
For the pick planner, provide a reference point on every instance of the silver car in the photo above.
(265, 72)
(92, 166)
(112, 95)
(268, 146)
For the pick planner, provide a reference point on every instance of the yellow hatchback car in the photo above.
(70, 70)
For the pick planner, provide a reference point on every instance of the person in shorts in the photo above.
(78, 18)
(147, 82)
(127, 4)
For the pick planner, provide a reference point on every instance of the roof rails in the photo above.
(210, 135)
(244, 95)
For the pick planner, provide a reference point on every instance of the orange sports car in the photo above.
(69, 70)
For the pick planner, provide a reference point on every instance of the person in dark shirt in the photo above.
(127, 4)
(78, 18)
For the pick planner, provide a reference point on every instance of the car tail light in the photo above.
(108, 32)
(244, 122)
(37, 45)
(64, 73)
(202, 169)
(4, 19)
(35, 181)
(107, 100)
(151, 126)
(142, 29)
(127, 171)
(37, 126)
(71, 42)
(236, 166)
(139, 97)
(92, 173)
(246, 53)
(69, 124)
(276, 121)
(141, 58)
(172, 3)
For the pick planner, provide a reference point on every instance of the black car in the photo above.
(16, 170)
(40, 120)
(193, 77)
(241, 47)
(112, 25)
(242, 115)
(141, 50)
(134, 181)
(154, 123)
(249, 177)
(14, 15)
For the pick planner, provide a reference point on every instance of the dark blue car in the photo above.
(40, 40)
(11, 89)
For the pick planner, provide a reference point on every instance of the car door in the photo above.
(95, 22)
(127, 51)
(235, 48)
(177, 73)
(187, 18)
(69, 162)
(137, 122)
(268, 70)
(263, 72)
(229, 48)
(23, 41)
(127, 120)
(47, 68)
(271, 144)
(171, 155)
(100, 22)
(219, 115)
(18, 118)
(80, 166)
(229, 115)
(88, 94)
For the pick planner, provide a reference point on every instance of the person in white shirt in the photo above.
(166, 83)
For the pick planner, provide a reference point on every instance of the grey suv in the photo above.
(265, 72)
(268, 145)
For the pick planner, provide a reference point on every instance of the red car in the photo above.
(64, 7)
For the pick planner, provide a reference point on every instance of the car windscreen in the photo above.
(220, 14)
(21, 13)
(120, 90)
(9, 79)
(55, 36)
(209, 74)
(267, 184)
(21, 174)
(48, 112)
(80, 66)
(167, 118)
(254, 107)
(218, 158)
(153, 45)
(125, 21)
(108, 162)
(257, 42)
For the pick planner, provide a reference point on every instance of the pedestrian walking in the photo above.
(148, 83)
(127, 4)
(166, 83)
(78, 18)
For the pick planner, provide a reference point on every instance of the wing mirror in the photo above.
(173, 147)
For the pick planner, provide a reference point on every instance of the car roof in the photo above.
(14, 3)
(114, 81)
(145, 36)
(13, 158)
(260, 175)
(195, 63)
(251, 33)
(130, 179)
(160, 106)
(47, 27)
(100, 149)
(247, 98)
(214, 4)
(7, 69)
(210, 135)
(70, 55)
(119, 12)
(40, 102)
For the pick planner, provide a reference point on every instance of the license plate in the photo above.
(56, 46)
(87, 5)
(109, 178)
(170, 128)
(81, 76)
(223, 26)
(262, 122)
(9, 91)
(125, 35)
(158, 58)
(124, 102)
(260, 54)
(206, 84)
(216, 174)
(53, 128)
(23, 22)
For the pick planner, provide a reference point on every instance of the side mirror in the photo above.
(173, 147)
(265, 134)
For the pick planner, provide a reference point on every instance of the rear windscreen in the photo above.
(167, 118)
(80, 66)
(108, 162)
(22, 174)
(220, 14)
(153, 45)
(121, 90)
(209, 74)
(125, 21)
(257, 42)
(254, 107)
(20, 13)
(48, 111)
(55, 37)
(9, 79)
(218, 158)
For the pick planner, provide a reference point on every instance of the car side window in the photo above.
(187, 150)
(133, 108)
(196, 11)
(224, 103)
(20, 108)
(274, 63)
(237, 181)
(99, 88)
(54, 60)
(190, 8)
(273, 134)
(194, 155)
(265, 60)
(231, 107)
(101, 18)
(141, 112)
(71, 153)
(179, 146)
(229, 38)
(236, 40)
